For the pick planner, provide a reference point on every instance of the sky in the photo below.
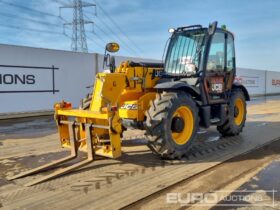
(141, 26)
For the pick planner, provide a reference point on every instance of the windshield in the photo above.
(184, 52)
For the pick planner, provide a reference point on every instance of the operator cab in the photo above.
(204, 58)
(185, 50)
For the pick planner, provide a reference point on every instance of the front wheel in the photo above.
(236, 115)
(172, 124)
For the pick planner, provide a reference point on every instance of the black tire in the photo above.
(230, 128)
(159, 121)
(85, 102)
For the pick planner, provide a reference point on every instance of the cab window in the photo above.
(230, 54)
(216, 57)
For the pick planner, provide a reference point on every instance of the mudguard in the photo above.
(177, 85)
(243, 88)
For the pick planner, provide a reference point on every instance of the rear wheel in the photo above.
(236, 116)
(172, 123)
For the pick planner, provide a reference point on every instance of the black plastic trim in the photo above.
(146, 64)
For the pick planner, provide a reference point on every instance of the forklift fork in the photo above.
(73, 155)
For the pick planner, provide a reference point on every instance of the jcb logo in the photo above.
(217, 87)
(130, 106)
(158, 73)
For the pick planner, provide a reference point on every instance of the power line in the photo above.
(43, 31)
(78, 22)
(29, 9)
(60, 2)
(30, 29)
(29, 19)
(95, 34)
(112, 33)
(98, 44)
(99, 29)
(117, 26)
(99, 37)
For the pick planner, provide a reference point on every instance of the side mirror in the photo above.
(112, 47)
(212, 28)
(109, 61)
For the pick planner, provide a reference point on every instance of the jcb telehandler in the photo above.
(193, 88)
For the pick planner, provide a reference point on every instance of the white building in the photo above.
(32, 79)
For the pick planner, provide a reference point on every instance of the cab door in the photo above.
(220, 68)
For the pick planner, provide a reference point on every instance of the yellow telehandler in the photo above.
(193, 88)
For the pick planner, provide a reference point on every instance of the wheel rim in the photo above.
(239, 111)
(185, 134)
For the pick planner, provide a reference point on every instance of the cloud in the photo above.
(146, 23)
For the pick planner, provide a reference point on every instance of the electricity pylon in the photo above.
(79, 39)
